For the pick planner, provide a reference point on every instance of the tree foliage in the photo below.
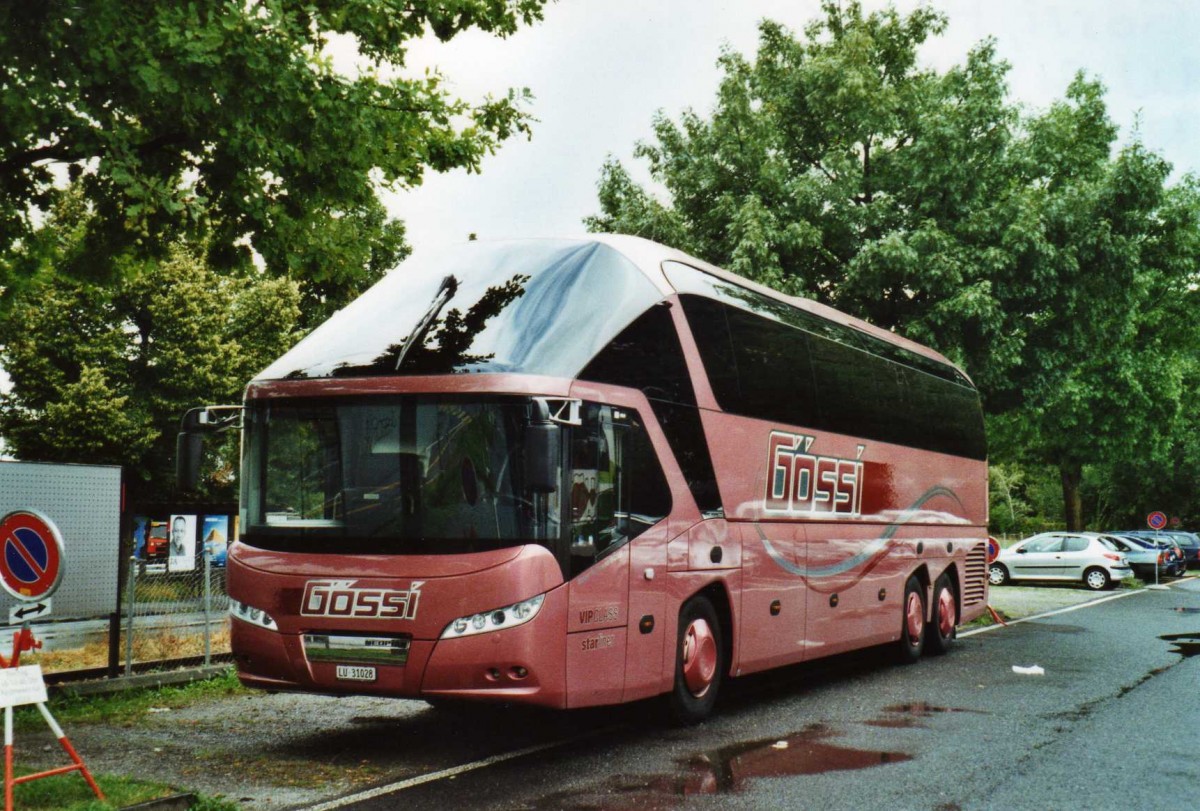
(227, 122)
(103, 373)
(1056, 268)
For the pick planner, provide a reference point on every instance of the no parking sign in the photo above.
(1156, 520)
(31, 555)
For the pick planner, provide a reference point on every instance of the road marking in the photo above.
(1056, 611)
(454, 771)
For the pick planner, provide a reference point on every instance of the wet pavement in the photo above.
(962, 731)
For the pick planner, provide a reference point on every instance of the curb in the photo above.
(146, 680)
(173, 802)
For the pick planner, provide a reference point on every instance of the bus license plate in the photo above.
(355, 673)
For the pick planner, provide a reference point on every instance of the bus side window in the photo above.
(618, 489)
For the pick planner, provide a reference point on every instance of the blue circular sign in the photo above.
(1156, 520)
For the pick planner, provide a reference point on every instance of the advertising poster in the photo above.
(216, 538)
(182, 553)
(141, 528)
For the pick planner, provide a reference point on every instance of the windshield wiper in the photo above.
(445, 292)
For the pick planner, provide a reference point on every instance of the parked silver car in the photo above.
(1061, 556)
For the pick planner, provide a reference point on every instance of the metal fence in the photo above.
(171, 616)
(143, 590)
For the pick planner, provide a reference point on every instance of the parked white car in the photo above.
(1084, 557)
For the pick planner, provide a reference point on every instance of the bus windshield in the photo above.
(403, 475)
(542, 307)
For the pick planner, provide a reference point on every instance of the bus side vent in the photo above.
(975, 575)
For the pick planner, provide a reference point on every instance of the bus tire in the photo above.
(943, 628)
(912, 623)
(700, 662)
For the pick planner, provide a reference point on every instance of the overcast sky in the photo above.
(599, 69)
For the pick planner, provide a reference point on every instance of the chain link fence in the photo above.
(170, 616)
(153, 598)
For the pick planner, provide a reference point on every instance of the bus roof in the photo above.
(525, 306)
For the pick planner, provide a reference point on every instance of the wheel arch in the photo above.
(922, 575)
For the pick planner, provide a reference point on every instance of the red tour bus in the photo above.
(581, 472)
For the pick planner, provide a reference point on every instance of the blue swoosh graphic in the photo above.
(869, 552)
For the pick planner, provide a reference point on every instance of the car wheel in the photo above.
(912, 623)
(998, 574)
(942, 629)
(1096, 579)
(700, 662)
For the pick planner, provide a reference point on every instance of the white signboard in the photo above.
(28, 612)
(22, 685)
(181, 557)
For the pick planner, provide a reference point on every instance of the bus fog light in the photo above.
(501, 618)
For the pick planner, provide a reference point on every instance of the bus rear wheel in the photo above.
(941, 633)
(912, 623)
(700, 662)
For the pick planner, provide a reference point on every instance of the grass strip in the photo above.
(69, 792)
(128, 707)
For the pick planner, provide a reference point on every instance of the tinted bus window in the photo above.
(773, 362)
(647, 355)
(617, 488)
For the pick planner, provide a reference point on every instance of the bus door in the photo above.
(618, 499)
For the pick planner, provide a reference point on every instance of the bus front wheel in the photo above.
(700, 661)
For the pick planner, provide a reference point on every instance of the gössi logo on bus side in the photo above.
(802, 483)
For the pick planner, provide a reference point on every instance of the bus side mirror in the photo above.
(542, 445)
(189, 448)
(189, 443)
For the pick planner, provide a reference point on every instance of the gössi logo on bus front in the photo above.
(341, 598)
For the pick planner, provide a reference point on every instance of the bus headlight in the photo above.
(496, 619)
(252, 615)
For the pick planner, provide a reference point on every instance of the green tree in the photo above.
(228, 123)
(833, 166)
(103, 374)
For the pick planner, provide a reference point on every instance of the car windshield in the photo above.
(1107, 544)
(401, 475)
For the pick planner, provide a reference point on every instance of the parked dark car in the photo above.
(1151, 559)
(1188, 542)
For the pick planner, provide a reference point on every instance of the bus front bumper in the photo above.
(525, 664)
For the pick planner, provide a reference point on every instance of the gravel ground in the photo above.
(278, 751)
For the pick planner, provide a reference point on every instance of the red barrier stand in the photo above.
(24, 640)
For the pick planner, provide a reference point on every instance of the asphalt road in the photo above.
(1113, 723)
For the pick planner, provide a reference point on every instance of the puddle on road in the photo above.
(920, 709)
(1186, 644)
(725, 771)
(904, 722)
